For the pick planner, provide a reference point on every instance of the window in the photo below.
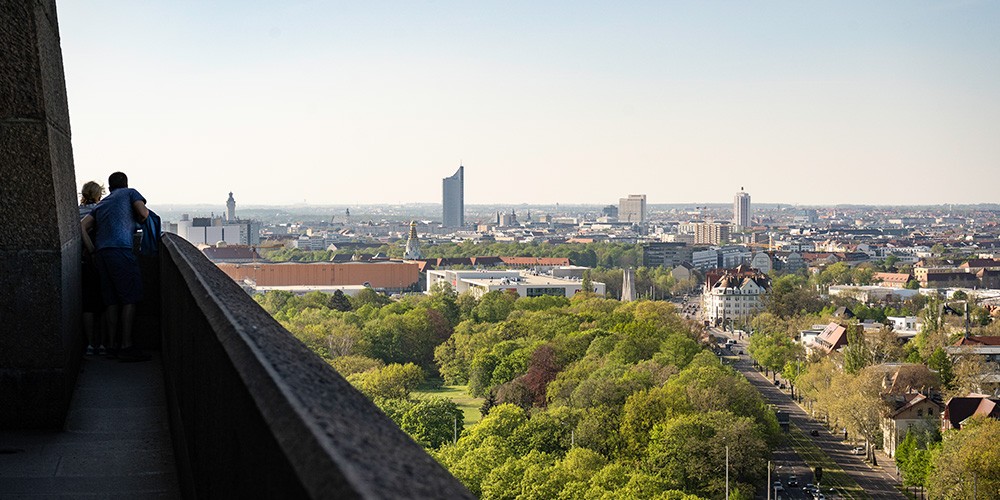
(538, 292)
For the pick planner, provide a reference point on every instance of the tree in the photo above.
(791, 295)
(494, 306)
(369, 296)
(394, 381)
(587, 286)
(773, 350)
(339, 301)
(432, 422)
(941, 363)
(971, 373)
(688, 452)
(913, 455)
(856, 401)
(968, 459)
(856, 354)
(349, 365)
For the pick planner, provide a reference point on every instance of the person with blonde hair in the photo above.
(93, 305)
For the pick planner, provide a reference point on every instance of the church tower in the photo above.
(230, 208)
(412, 244)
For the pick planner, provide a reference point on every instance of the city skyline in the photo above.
(358, 104)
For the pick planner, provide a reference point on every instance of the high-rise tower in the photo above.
(453, 205)
(230, 208)
(741, 210)
(632, 209)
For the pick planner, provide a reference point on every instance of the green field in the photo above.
(459, 394)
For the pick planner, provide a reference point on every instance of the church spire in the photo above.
(412, 244)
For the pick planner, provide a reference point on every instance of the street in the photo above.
(876, 482)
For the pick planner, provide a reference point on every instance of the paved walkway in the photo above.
(116, 442)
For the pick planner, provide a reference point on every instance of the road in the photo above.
(876, 482)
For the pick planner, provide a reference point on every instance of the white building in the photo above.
(209, 231)
(736, 296)
(761, 261)
(525, 284)
(741, 210)
(905, 326)
(870, 293)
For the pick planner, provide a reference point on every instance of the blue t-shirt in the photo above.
(114, 219)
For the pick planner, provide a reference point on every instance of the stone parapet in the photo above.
(254, 413)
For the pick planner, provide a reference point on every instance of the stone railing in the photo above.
(254, 413)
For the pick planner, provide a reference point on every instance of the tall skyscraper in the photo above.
(453, 204)
(741, 210)
(632, 209)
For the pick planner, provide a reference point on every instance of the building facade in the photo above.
(734, 295)
(741, 210)
(209, 231)
(453, 199)
(394, 276)
(523, 283)
(665, 254)
(711, 233)
(632, 209)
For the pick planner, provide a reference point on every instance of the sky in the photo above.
(341, 103)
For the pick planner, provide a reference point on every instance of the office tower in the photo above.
(632, 209)
(741, 210)
(453, 205)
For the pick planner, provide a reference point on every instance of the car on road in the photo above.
(793, 481)
(814, 433)
(858, 450)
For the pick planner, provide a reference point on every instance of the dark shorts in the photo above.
(93, 301)
(121, 281)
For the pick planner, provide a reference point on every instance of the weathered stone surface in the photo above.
(39, 223)
(20, 76)
(28, 202)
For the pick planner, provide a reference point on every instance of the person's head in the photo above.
(117, 180)
(91, 193)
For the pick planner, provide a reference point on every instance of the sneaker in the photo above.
(91, 350)
(100, 350)
(132, 354)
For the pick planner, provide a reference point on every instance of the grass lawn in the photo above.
(460, 395)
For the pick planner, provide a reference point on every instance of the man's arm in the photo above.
(85, 226)
(140, 211)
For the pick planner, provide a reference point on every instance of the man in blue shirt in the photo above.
(114, 220)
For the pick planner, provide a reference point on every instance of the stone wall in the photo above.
(254, 413)
(40, 341)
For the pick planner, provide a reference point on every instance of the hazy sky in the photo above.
(365, 102)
